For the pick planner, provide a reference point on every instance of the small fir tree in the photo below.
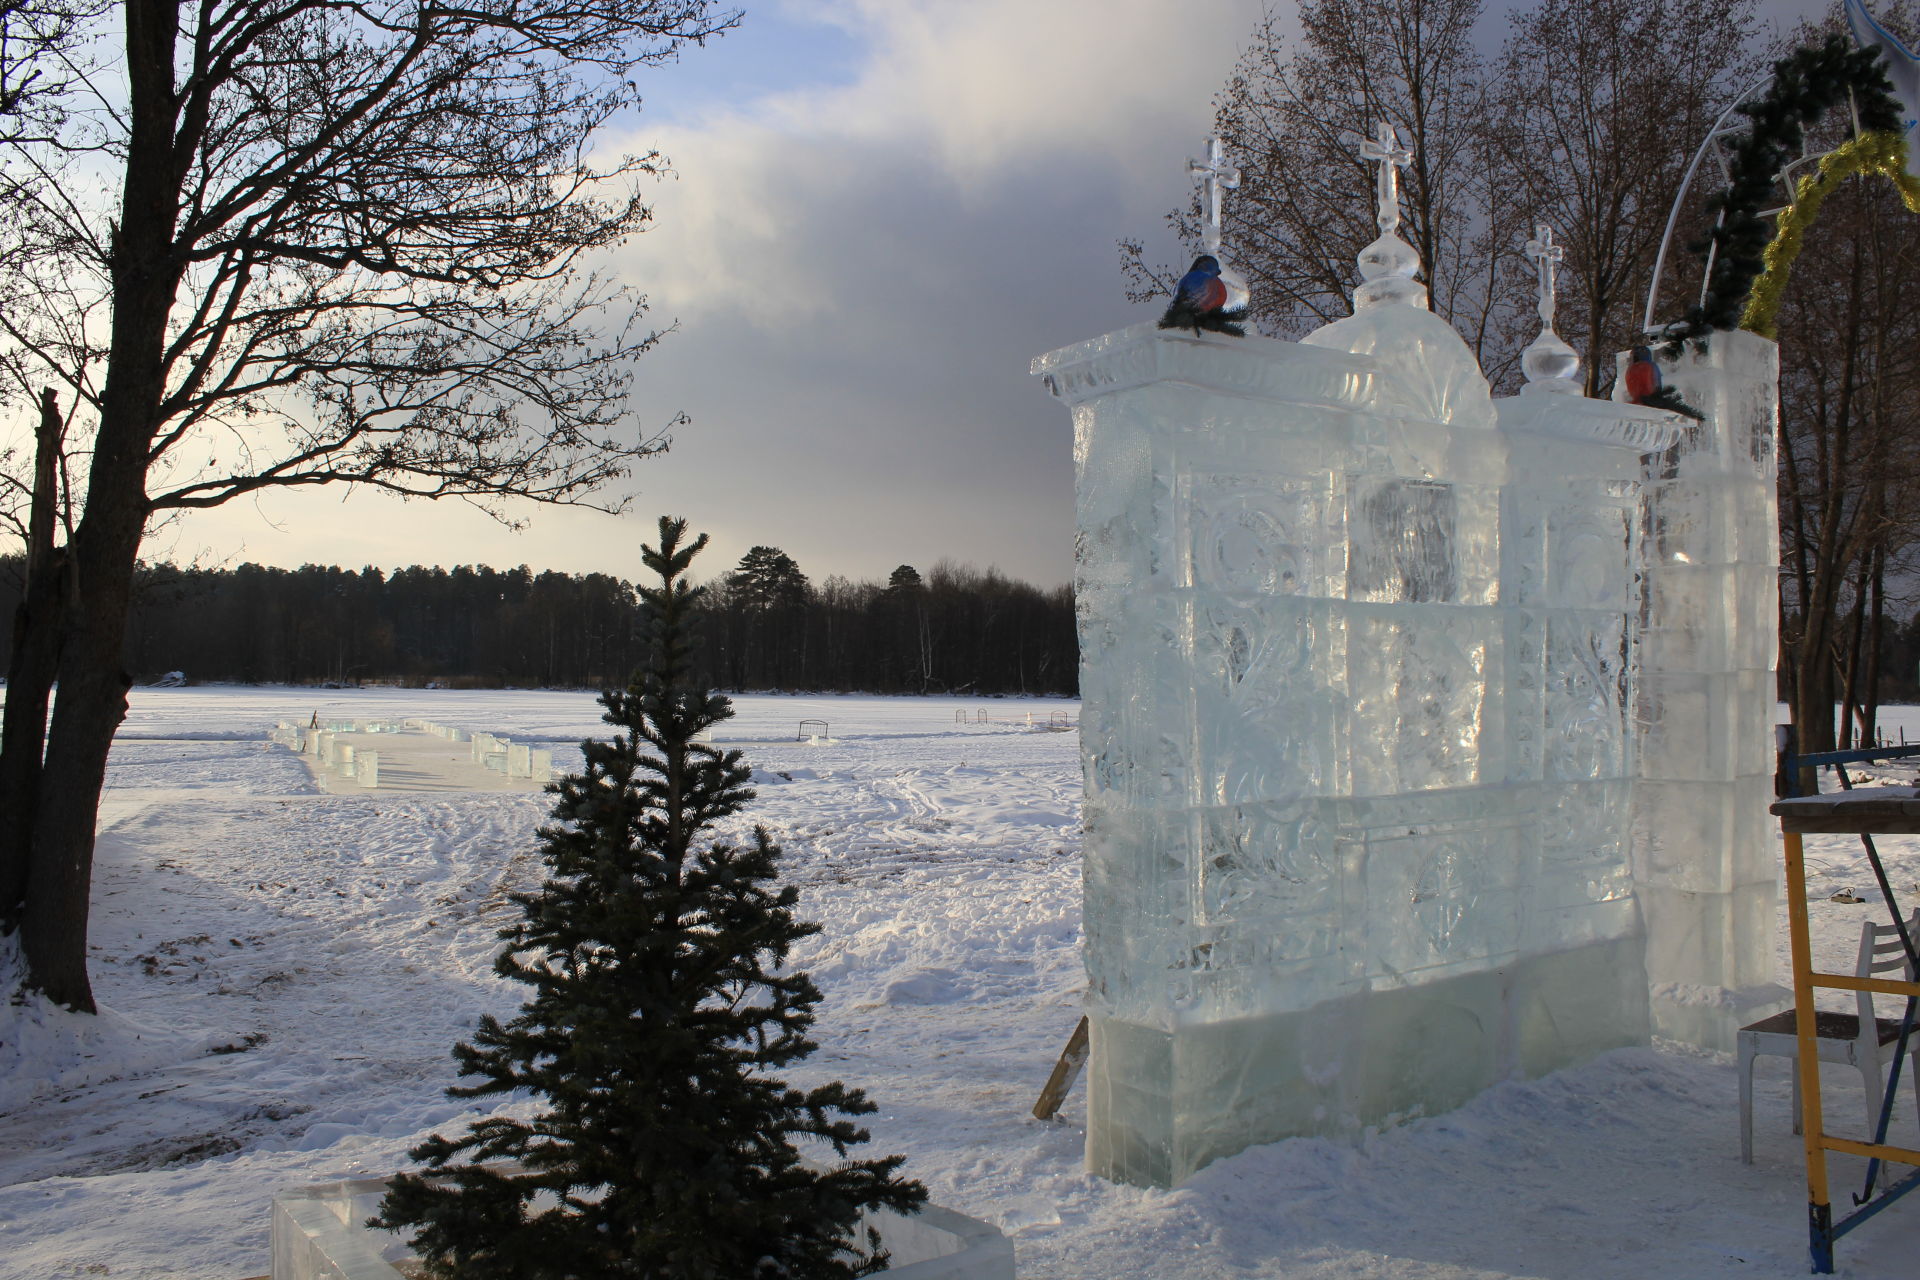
(660, 1006)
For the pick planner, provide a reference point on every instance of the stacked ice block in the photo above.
(1705, 859)
(1359, 768)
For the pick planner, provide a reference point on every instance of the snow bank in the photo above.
(350, 939)
(47, 1049)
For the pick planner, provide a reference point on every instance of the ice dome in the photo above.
(1430, 370)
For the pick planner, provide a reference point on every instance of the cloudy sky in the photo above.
(882, 211)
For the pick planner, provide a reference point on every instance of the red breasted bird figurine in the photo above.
(1200, 301)
(1646, 386)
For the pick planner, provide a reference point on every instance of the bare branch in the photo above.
(381, 206)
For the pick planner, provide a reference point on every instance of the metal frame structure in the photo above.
(1721, 128)
(1865, 814)
(1724, 126)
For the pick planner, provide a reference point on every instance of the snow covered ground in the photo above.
(285, 971)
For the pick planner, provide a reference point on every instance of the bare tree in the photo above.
(1850, 444)
(39, 60)
(333, 242)
(1598, 108)
(1850, 427)
(1293, 114)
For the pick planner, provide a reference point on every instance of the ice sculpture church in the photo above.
(1425, 734)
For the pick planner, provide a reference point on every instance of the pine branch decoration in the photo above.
(1227, 320)
(1806, 85)
(1668, 398)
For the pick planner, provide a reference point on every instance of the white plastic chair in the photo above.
(1855, 1039)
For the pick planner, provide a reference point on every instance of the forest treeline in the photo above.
(762, 626)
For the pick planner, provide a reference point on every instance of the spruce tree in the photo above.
(660, 1006)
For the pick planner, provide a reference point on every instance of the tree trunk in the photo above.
(30, 672)
(91, 704)
(93, 686)
(1813, 715)
(1876, 623)
(1851, 719)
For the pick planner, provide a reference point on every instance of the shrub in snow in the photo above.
(664, 1146)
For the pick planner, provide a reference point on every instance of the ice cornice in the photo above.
(1258, 368)
(1604, 422)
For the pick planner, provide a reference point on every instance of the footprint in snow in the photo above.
(929, 986)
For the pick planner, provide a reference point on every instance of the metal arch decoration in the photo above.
(1804, 86)
(1880, 153)
(1723, 126)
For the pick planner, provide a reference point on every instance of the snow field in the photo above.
(335, 946)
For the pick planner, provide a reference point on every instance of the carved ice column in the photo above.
(1570, 523)
(1570, 561)
(1705, 856)
(1211, 565)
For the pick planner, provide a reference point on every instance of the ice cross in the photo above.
(1548, 361)
(1384, 148)
(1219, 177)
(1547, 257)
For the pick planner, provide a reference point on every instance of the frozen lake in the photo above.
(335, 946)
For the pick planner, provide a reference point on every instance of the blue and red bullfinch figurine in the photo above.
(1200, 301)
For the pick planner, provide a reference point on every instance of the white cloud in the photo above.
(1078, 80)
(780, 203)
(862, 272)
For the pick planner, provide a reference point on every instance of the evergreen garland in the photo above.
(1806, 84)
(1668, 398)
(1227, 320)
(663, 1148)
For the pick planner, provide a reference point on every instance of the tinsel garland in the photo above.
(1806, 85)
(1872, 153)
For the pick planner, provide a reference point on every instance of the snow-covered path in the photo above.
(296, 966)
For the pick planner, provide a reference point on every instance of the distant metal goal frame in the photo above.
(1865, 814)
(1058, 720)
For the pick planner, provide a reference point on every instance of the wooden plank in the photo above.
(1873, 811)
(1844, 824)
(1065, 1072)
(1905, 1155)
(1886, 799)
(1808, 1055)
(1853, 982)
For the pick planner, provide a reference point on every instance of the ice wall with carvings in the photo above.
(1357, 656)
(1706, 863)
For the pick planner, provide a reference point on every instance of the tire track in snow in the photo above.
(289, 920)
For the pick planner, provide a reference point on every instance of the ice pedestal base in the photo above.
(1163, 1104)
(320, 1233)
(1711, 1017)
(1696, 940)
